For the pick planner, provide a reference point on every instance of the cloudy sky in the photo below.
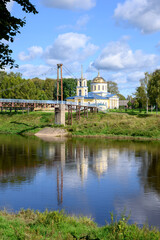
(120, 38)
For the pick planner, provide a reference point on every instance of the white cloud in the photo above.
(70, 47)
(80, 23)
(10, 5)
(141, 14)
(30, 70)
(119, 56)
(70, 4)
(33, 52)
(135, 76)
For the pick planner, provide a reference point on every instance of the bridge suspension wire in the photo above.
(69, 72)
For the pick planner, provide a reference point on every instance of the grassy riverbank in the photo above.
(54, 225)
(119, 125)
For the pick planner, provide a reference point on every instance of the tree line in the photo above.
(13, 85)
(148, 93)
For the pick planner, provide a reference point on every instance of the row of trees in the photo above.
(12, 85)
(148, 93)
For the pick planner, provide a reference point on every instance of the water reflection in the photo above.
(91, 177)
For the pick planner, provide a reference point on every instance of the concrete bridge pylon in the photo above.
(60, 114)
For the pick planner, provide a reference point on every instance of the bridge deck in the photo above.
(24, 102)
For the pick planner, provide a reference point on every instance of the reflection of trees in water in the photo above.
(150, 170)
(147, 154)
(21, 157)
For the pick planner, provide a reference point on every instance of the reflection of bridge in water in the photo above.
(59, 106)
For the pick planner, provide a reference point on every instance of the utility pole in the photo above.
(59, 66)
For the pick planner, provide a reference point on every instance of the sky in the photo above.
(118, 38)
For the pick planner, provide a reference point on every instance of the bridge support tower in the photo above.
(60, 115)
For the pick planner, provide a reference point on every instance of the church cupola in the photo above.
(82, 89)
(99, 85)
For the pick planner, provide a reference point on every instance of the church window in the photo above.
(106, 88)
(94, 88)
(80, 92)
(85, 92)
(98, 87)
(103, 87)
(80, 83)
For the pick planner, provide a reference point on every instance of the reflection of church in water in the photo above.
(67, 157)
(83, 158)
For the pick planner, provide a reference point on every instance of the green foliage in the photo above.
(130, 124)
(112, 87)
(28, 224)
(13, 86)
(141, 94)
(121, 97)
(154, 88)
(69, 88)
(89, 85)
(10, 26)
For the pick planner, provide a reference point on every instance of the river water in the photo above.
(90, 177)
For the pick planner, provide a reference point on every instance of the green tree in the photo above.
(112, 87)
(141, 94)
(69, 88)
(49, 87)
(154, 88)
(121, 97)
(89, 85)
(9, 27)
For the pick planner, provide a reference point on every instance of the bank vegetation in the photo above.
(28, 224)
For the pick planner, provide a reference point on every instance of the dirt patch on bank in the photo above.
(52, 132)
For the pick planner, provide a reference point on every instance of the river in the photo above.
(90, 177)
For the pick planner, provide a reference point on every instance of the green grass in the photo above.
(56, 225)
(118, 124)
(19, 123)
(112, 124)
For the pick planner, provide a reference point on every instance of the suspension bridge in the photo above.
(59, 106)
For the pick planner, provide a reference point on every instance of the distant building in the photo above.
(98, 94)
(123, 103)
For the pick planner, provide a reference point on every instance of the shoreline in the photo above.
(103, 126)
(69, 135)
(30, 224)
(117, 137)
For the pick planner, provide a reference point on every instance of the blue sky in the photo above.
(120, 38)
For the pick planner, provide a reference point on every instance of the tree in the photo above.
(121, 97)
(154, 88)
(9, 27)
(141, 93)
(112, 87)
(89, 85)
(49, 86)
(69, 88)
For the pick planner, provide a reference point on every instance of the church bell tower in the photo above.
(82, 89)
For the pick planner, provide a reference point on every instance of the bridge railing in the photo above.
(49, 102)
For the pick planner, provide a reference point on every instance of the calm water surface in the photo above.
(92, 177)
